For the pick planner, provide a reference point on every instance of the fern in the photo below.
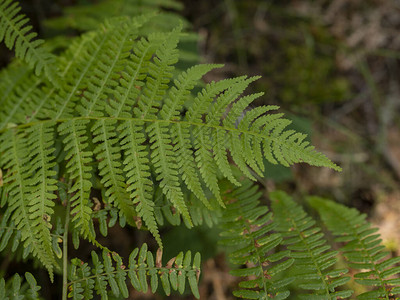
(199, 213)
(248, 229)
(362, 249)
(122, 138)
(28, 210)
(15, 289)
(313, 257)
(141, 268)
(15, 33)
(87, 131)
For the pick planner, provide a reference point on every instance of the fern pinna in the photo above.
(282, 252)
(314, 259)
(362, 249)
(119, 120)
(247, 227)
(84, 280)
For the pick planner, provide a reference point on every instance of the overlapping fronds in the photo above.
(10, 78)
(314, 259)
(16, 34)
(14, 288)
(122, 121)
(109, 274)
(362, 249)
(248, 229)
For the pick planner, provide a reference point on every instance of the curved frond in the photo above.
(314, 259)
(16, 34)
(109, 274)
(362, 249)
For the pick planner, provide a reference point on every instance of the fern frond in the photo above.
(42, 105)
(42, 183)
(362, 250)
(78, 170)
(15, 34)
(108, 153)
(22, 196)
(132, 77)
(13, 109)
(10, 78)
(77, 78)
(14, 288)
(160, 74)
(247, 228)
(111, 272)
(111, 62)
(314, 259)
(199, 213)
(138, 172)
(163, 159)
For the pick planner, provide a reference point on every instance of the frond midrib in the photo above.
(309, 251)
(196, 124)
(364, 250)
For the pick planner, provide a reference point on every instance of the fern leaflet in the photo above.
(15, 33)
(313, 257)
(248, 229)
(15, 289)
(141, 267)
(362, 249)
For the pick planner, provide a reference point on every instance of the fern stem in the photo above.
(65, 253)
(147, 120)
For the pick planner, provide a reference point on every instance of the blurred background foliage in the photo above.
(332, 66)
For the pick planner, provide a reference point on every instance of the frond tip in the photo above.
(141, 268)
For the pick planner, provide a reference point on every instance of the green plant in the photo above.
(111, 118)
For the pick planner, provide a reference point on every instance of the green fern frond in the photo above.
(10, 79)
(199, 213)
(28, 211)
(108, 153)
(313, 257)
(14, 288)
(111, 272)
(247, 228)
(111, 62)
(115, 105)
(15, 34)
(138, 172)
(13, 109)
(362, 250)
(132, 77)
(159, 75)
(79, 170)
